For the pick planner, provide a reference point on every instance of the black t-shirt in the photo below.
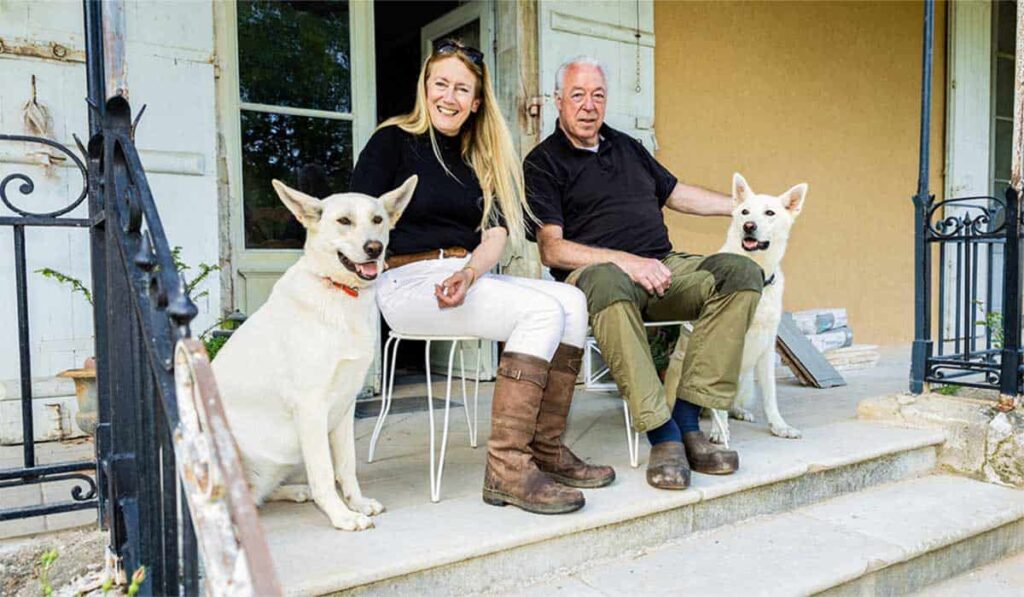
(611, 198)
(445, 210)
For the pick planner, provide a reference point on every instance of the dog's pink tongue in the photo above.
(368, 269)
(749, 244)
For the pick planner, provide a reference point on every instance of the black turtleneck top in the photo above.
(445, 210)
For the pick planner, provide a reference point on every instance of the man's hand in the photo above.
(452, 292)
(652, 274)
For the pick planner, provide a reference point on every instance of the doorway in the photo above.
(404, 33)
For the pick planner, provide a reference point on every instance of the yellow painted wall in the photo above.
(826, 93)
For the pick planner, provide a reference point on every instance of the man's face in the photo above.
(581, 104)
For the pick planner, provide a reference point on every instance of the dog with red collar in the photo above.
(289, 376)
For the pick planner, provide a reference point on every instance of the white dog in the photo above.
(290, 374)
(760, 230)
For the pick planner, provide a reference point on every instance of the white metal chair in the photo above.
(388, 390)
(599, 379)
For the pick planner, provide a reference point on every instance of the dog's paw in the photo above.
(351, 521)
(785, 431)
(367, 506)
(742, 414)
(717, 436)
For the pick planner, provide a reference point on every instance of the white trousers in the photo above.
(530, 316)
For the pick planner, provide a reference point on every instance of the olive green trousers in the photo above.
(718, 293)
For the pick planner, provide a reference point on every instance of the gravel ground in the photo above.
(78, 567)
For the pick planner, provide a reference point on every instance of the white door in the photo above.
(619, 34)
(473, 25)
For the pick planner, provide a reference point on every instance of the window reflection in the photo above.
(313, 155)
(295, 54)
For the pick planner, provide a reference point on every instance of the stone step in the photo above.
(461, 545)
(888, 540)
(1004, 578)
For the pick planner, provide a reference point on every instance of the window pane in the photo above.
(1007, 25)
(467, 35)
(313, 155)
(1004, 148)
(295, 54)
(1004, 87)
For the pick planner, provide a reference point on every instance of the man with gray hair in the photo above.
(598, 195)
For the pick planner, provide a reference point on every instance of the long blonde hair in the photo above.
(486, 146)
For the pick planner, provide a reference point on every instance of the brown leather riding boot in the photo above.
(550, 454)
(705, 457)
(512, 477)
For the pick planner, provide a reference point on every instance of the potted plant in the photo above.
(85, 377)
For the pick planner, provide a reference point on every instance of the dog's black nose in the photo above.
(373, 248)
(749, 227)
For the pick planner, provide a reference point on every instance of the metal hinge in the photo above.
(533, 107)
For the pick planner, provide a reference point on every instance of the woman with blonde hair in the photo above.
(468, 204)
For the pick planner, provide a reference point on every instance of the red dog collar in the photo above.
(352, 292)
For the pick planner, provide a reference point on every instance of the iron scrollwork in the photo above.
(28, 186)
(974, 220)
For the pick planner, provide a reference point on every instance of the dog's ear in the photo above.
(740, 189)
(793, 199)
(306, 209)
(396, 201)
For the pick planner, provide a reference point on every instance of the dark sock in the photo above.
(686, 415)
(669, 432)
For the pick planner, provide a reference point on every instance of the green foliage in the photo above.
(947, 390)
(205, 269)
(993, 320)
(75, 283)
(662, 341)
(213, 344)
(45, 563)
(138, 578)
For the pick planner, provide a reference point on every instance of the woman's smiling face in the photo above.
(451, 95)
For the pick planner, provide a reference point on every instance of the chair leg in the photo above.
(465, 395)
(436, 486)
(476, 393)
(430, 417)
(632, 438)
(386, 391)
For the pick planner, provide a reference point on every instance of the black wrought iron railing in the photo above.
(169, 462)
(977, 295)
(975, 338)
(83, 494)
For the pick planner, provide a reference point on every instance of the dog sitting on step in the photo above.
(289, 376)
(760, 230)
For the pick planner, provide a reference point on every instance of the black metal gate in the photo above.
(84, 494)
(975, 339)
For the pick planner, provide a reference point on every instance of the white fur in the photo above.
(759, 347)
(289, 376)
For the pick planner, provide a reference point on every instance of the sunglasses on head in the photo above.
(450, 46)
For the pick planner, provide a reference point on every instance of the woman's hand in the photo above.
(452, 292)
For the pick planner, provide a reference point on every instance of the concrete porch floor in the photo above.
(311, 557)
(596, 431)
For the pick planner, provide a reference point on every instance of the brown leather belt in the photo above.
(394, 261)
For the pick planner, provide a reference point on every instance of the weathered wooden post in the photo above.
(115, 66)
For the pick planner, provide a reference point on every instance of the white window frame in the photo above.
(363, 117)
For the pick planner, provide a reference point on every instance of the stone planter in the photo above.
(85, 394)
